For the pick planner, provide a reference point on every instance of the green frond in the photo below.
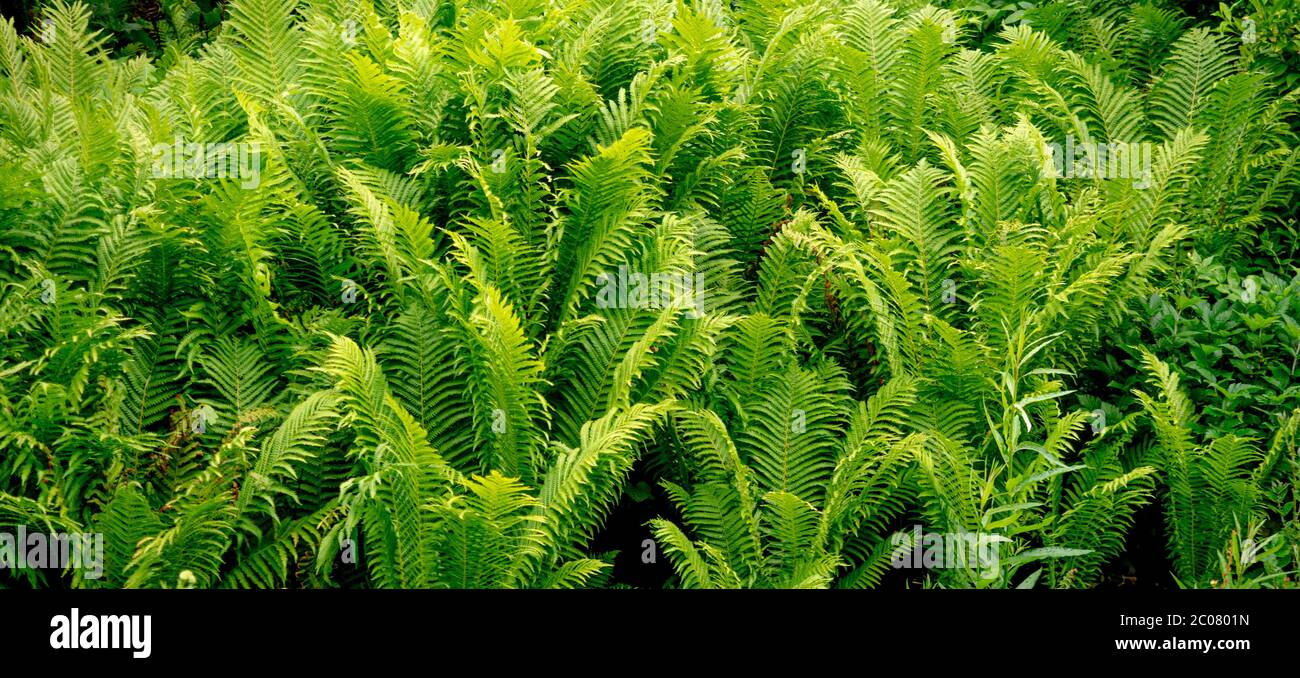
(1198, 62)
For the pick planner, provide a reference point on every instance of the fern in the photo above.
(400, 353)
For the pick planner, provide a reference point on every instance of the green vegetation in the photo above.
(427, 293)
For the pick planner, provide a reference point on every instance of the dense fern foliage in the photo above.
(554, 293)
